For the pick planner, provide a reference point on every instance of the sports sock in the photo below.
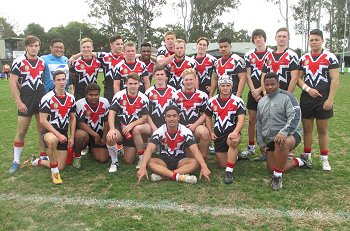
(43, 156)
(277, 172)
(17, 150)
(140, 153)
(230, 166)
(298, 162)
(175, 176)
(324, 153)
(251, 144)
(307, 152)
(54, 167)
(113, 153)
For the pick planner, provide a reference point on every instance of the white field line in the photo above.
(249, 213)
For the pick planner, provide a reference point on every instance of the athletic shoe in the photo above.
(190, 179)
(228, 178)
(114, 167)
(249, 151)
(260, 158)
(76, 163)
(155, 177)
(307, 161)
(56, 178)
(325, 165)
(276, 182)
(14, 167)
(85, 151)
(35, 161)
(138, 166)
(211, 150)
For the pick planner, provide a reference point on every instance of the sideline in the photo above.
(248, 213)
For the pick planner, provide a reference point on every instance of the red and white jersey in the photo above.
(129, 108)
(86, 72)
(30, 74)
(316, 70)
(173, 143)
(159, 99)
(225, 112)
(164, 51)
(231, 66)
(149, 66)
(124, 68)
(191, 105)
(282, 64)
(175, 69)
(205, 67)
(255, 61)
(93, 115)
(58, 108)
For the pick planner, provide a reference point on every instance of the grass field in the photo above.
(92, 199)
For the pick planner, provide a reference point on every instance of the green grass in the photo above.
(306, 191)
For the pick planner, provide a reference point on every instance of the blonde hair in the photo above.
(180, 41)
(189, 71)
(85, 40)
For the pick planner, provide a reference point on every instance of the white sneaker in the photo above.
(325, 165)
(211, 150)
(113, 168)
(138, 166)
(85, 151)
(190, 179)
(155, 177)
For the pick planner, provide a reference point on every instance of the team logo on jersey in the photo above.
(306, 62)
(82, 66)
(155, 96)
(181, 100)
(88, 113)
(270, 62)
(55, 105)
(164, 141)
(253, 60)
(109, 59)
(171, 68)
(125, 71)
(124, 102)
(26, 68)
(215, 108)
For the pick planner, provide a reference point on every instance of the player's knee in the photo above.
(233, 143)
(136, 131)
(51, 142)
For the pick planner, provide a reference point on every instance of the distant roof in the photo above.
(213, 49)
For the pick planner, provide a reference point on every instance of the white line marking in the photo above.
(171, 206)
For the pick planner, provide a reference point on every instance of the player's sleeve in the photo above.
(44, 106)
(333, 62)
(80, 113)
(240, 107)
(117, 75)
(240, 66)
(155, 138)
(208, 110)
(294, 62)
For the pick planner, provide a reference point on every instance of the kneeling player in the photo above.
(229, 114)
(173, 163)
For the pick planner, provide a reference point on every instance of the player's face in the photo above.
(259, 41)
(133, 86)
(271, 85)
(188, 81)
(117, 46)
(172, 119)
(130, 53)
(146, 53)
(169, 41)
(160, 77)
(225, 89)
(225, 49)
(179, 50)
(60, 82)
(33, 49)
(315, 42)
(93, 96)
(282, 38)
(57, 49)
(86, 48)
(202, 47)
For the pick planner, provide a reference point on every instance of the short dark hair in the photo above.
(225, 40)
(59, 72)
(56, 40)
(146, 44)
(92, 87)
(271, 75)
(133, 76)
(317, 32)
(258, 32)
(158, 67)
(203, 38)
(114, 38)
(30, 39)
(172, 107)
(283, 29)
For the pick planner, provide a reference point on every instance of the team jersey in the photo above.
(58, 108)
(30, 74)
(175, 69)
(191, 105)
(52, 64)
(205, 67)
(225, 113)
(109, 64)
(129, 108)
(282, 64)
(255, 61)
(149, 67)
(93, 115)
(86, 72)
(124, 68)
(316, 70)
(231, 66)
(159, 99)
(164, 51)
(173, 143)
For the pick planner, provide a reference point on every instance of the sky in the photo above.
(55, 13)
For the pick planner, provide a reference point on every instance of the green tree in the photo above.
(6, 29)
(235, 36)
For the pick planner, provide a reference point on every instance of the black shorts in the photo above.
(172, 162)
(271, 146)
(252, 104)
(60, 146)
(313, 107)
(93, 145)
(126, 142)
(32, 102)
(220, 144)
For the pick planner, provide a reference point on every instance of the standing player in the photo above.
(282, 61)
(27, 70)
(131, 65)
(6, 70)
(319, 79)
(172, 163)
(192, 103)
(166, 53)
(229, 114)
(128, 116)
(57, 112)
(254, 60)
(85, 69)
(159, 96)
(178, 64)
(229, 64)
(205, 64)
(147, 58)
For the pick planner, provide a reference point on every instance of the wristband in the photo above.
(304, 86)
(307, 89)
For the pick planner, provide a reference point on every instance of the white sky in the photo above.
(250, 15)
